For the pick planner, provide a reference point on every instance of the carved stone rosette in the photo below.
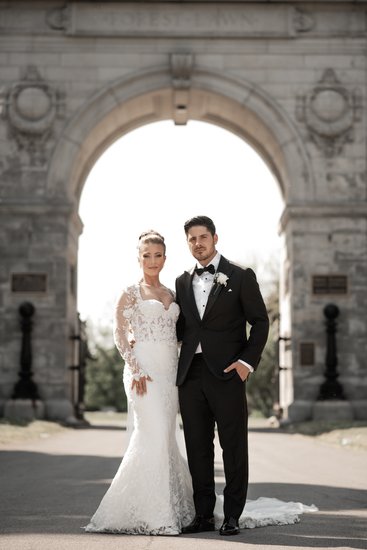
(303, 21)
(30, 107)
(329, 112)
(58, 19)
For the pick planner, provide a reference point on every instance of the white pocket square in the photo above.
(229, 290)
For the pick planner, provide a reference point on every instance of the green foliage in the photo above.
(104, 385)
(262, 386)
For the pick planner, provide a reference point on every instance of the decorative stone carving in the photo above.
(31, 107)
(329, 111)
(349, 184)
(178, 19)
(303, 21)
(58, 19)
(181, 67)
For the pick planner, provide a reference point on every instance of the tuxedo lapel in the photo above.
(190, 292)
(223, 267)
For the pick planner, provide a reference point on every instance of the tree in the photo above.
(104, 384)
(262, 387)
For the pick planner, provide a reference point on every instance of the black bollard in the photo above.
(331, 388)
(25, 388)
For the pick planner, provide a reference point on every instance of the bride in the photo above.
(151, 493)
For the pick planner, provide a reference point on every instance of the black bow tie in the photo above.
(210, 268)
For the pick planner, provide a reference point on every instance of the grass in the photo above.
(352, 435)
(105, 417)
(321, 427)
(13, 431)
(348, 434)
(27, 431)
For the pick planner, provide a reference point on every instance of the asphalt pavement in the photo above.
(50, 487)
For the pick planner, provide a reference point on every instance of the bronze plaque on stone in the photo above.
(307, 354)
(29, 282)
(329, 284)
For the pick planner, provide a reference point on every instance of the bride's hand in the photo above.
(141, 384)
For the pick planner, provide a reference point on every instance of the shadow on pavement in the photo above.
(45, 493)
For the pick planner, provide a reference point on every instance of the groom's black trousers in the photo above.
(204, 401)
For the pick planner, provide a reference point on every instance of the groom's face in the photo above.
(202, 243)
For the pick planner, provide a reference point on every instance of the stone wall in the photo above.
(288, 77)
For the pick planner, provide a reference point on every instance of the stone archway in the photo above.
(233, 105)
(288, 79)
(149, 97)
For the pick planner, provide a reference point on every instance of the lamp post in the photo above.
(26, 388)
(331, 388)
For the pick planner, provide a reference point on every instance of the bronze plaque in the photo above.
(329, 284)
(307, 354)
(29, 282)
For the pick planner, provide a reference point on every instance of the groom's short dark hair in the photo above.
(200, 220)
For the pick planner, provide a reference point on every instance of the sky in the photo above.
(157, 177)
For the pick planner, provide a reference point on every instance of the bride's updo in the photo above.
(152, 237)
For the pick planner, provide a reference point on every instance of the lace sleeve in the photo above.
(123, 334)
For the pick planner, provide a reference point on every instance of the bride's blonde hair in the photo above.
(153, 237)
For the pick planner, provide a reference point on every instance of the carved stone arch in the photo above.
(250, 112)
(145, 97)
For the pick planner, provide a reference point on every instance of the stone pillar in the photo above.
(39, 251)
(325, 244)
(38, 243)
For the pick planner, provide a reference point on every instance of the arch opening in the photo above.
(160, 175)
(231, 105)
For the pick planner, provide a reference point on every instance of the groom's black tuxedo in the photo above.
(222, 330)
(207, 394)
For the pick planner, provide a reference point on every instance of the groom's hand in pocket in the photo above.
(241, 369)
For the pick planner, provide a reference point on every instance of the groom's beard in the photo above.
(203, 254)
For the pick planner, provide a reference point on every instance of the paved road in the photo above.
(51, 487)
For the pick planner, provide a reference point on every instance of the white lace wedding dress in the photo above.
(151, 493)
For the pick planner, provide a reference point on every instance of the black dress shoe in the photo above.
(198, 525)
(229, 527)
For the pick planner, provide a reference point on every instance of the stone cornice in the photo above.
(322, 210)
(12, 206)
(233, 19)
(50, 207)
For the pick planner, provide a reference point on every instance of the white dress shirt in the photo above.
(202, 285)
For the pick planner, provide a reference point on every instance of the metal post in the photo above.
(26, 388)
(331, 388)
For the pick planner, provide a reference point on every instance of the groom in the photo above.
(217, 299)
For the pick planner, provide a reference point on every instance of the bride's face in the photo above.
(151, 258)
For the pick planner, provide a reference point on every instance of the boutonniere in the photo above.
(219, 279)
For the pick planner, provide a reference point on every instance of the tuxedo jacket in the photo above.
(222, 331)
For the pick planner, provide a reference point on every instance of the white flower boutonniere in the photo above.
(219, 279)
